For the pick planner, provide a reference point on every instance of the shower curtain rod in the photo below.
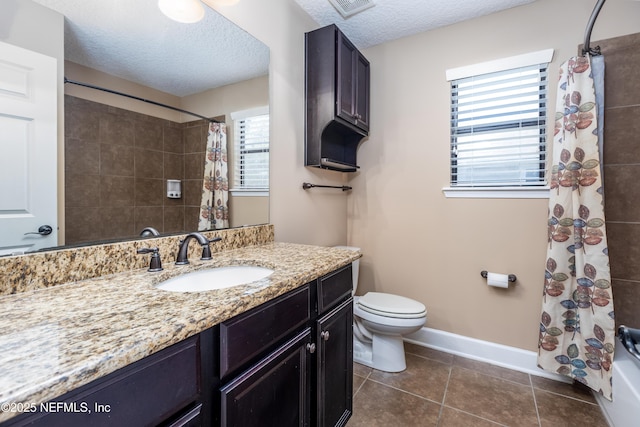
(126, 95)
(587, 34)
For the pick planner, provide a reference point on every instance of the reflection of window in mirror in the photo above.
(251, 152)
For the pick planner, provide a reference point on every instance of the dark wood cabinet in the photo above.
(164, 388)
(337, 91)
(264, 363)
(305, 380)
(272, 393)
(333, 376)
(287, 362)
(248, 336)
(334, 365)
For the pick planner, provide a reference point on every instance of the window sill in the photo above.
(244, 192)
(496, 192)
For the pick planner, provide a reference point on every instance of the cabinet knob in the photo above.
(324, 335)
(311, 347)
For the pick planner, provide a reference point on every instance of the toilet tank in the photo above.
(355, 266)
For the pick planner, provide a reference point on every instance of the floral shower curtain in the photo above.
(214, 208)
(577, 325)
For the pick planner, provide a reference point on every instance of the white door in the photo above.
(28, 150)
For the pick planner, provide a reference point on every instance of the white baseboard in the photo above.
(485, 351)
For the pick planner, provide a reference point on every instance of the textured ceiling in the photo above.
(133, 40)
(392, 19)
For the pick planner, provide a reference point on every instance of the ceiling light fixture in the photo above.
(186, 11)
(189, 11)
(221, 2)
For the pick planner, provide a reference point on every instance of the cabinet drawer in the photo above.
(334, 288)
(146, 392)
(249, 335)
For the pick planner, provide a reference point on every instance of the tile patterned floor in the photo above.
(443, 390)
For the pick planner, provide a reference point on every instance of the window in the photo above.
(251, 150)
(498, 123)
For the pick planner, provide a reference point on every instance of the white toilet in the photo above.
(379, 322)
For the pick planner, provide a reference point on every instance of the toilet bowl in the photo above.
(379, 322)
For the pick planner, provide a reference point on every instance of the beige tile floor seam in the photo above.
(472, 394)
(442, 406)
(405, 391)
(535, 402)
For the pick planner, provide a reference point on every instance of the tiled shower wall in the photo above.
(116, 166)
(622, 172)
(195, 144)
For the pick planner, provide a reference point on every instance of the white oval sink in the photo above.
(215, 278)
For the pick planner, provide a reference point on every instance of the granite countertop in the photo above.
(57, 339)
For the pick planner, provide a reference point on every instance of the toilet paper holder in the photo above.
(512, 277)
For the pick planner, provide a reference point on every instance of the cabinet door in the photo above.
(274, 392)
(335, 366)
(345, 79)
(361, 104)
(352, 80)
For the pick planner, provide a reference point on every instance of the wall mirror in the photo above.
(131, 166)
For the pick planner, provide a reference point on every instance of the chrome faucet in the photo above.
(183, 249)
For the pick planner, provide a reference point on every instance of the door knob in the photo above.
(324, 335)
(43, 230)
(311, 347)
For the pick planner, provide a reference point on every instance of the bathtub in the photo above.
(624, 411)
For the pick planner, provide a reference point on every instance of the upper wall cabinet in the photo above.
(337, 98)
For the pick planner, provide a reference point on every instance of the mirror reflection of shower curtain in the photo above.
(214, 208)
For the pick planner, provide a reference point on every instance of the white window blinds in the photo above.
(251, 152)
(498, 128)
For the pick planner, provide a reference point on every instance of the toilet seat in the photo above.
(392, 306)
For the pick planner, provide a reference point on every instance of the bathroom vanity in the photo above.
(277, 352)
(308, 377)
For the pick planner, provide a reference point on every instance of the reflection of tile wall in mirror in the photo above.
(116, 172)
(237, 79)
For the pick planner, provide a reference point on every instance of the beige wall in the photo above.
(227, 99)
(248, 210)
(84, 74)
(415, 241)
(314, 216)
